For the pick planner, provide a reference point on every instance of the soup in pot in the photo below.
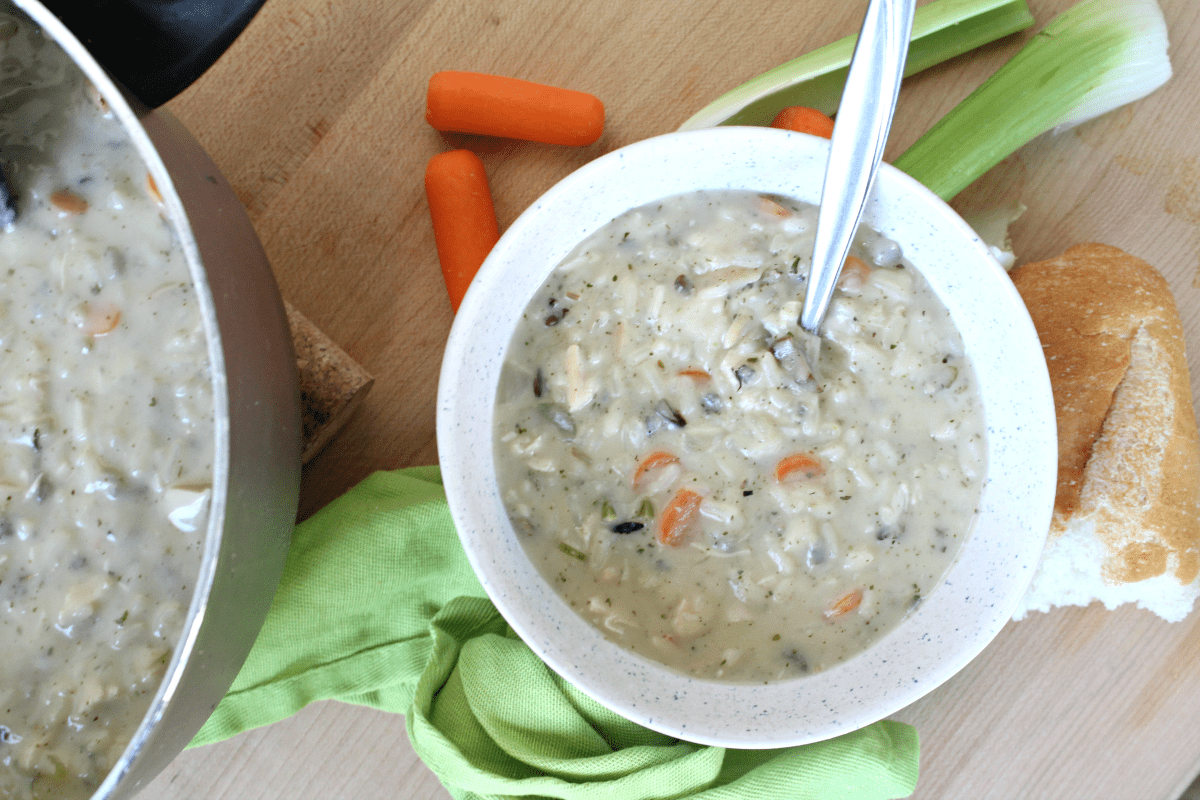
(106, 429)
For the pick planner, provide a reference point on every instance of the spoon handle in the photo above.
(864, 118)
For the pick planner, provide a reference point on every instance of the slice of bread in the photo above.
(1126, 525)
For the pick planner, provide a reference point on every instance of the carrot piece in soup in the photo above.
(464, 219)
(99, 318)
(471, 102)
(844, 604)
(773, 208)
(803, 119)
(659, 458)
(697, 374)
(152, 189)
(676, 520)
(67, 202)
(855, 273)
(798, 467)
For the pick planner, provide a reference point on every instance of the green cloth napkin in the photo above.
(378, 606)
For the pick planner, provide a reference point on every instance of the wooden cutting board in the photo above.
(316, 117)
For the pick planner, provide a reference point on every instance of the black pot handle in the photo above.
(155, 48)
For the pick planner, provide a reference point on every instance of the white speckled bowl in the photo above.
(954, 623)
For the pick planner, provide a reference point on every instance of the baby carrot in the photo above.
(678, 516)
(470, 102)
(804, 120)
(658, 458)
(464, 219)
(798, 467)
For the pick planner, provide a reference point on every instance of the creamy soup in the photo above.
(106, 430)
(689, 483)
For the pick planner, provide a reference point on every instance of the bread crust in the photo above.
(332, 384)
(1129, 451)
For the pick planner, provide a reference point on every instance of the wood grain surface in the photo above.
(316, 117)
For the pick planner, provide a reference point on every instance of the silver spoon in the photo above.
(864, 118)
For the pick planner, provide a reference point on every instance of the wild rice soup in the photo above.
(679, 476)
(106, 430)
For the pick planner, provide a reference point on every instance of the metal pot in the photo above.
(257, 473)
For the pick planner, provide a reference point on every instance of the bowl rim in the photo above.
(938, 638)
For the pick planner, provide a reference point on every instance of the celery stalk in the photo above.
(941, 30)
(1092, 58)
